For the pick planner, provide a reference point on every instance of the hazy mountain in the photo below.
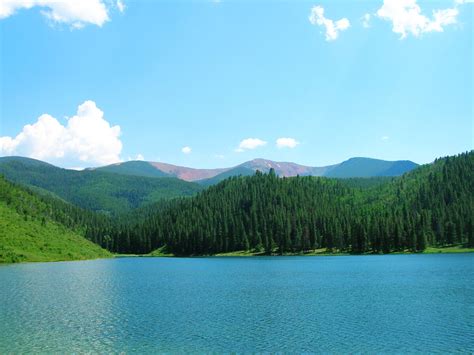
(352, 168)
(237, 171)
(188, 174)
(366, 167)
(157, 169)
(135, 168)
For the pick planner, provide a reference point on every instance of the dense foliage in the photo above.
(433, 205)
(95, 190)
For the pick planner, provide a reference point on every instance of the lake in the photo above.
(393, 303)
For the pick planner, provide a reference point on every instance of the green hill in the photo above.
(95, 190)
(134, 168)
(29, 230)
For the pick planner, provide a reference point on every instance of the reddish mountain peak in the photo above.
(281, 168)
(187, 174)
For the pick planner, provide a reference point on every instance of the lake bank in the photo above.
(160, 253)
(316, 252)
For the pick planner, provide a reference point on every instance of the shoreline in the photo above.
(246, 254)
(316, 252)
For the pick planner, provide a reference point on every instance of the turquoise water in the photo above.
(399, 303)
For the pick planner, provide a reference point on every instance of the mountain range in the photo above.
(122, 187)
(352, 168)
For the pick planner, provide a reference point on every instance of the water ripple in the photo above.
(386, 304)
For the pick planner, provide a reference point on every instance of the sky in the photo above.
(215, 83)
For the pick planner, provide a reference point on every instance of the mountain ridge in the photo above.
(353, 167)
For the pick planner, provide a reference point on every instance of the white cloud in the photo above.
(219, 156)
(286, 143)
(332, 28)
(86, 140)
(385, 138)
(407, 18)
(186, 150)
(76, 13)
(120, 6)
(366, 20)
(250, 143)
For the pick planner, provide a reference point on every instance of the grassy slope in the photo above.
(30, 240)
(448, 250)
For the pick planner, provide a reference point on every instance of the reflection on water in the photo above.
(418, 303)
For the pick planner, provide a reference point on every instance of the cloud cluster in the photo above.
(76, 13)
(286, 143)
(249, 144)
(332, 28)
(407, 18)
(86, 140)
(186, 150)
(253, 143)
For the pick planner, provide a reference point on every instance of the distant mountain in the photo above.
(92, 189)
(237, 171)
(188, 174)
(352, 168)
(355, 167)
(134, 168)
(366, 167)
(156, 169)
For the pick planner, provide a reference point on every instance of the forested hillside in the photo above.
(430, 206)
(37, 228)
(433, 205)
(95, 190)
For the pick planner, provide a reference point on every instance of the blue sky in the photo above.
(207, 75)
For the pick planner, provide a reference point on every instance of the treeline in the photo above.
(433, 205)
